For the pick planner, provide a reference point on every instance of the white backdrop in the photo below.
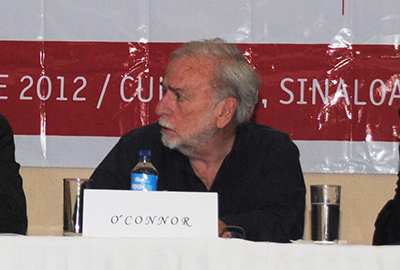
(337, 23)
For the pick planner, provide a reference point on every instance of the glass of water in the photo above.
(325, 213)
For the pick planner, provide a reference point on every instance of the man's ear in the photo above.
(226, 109)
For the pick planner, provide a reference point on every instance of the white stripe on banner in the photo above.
(315, 156)
(338, 22)
(348, 157)
(62, 151)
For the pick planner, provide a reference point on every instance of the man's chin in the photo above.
(169, 142)
(178, 145)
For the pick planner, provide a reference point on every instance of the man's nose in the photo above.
(164, 105)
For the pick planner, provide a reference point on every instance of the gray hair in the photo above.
(234, 77)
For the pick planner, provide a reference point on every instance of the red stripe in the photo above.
(342, 7)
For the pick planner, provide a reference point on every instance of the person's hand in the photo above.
(221, 232)
(230, 231)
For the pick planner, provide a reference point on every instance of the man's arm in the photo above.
(113, 171)
(281, 199)
(13, 218)
(387, 224)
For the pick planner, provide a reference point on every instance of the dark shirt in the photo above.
(13, 217)
(260, 184)
(387, 224)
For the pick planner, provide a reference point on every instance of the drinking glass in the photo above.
(325, 213)
(73, 205)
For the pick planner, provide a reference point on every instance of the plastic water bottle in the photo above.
(144, 175)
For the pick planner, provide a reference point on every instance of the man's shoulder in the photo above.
(263, 134)
(258, 137)
(6, 134)
(146, 136)
(2, 119)
(264, 142)
(4, 124)
(149, 131)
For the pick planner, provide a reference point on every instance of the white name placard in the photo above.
(125, 213)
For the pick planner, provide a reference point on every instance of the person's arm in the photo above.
(113, 171)
(13, 218)
(280, 217)
(387, 224)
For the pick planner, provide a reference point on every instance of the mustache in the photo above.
(165, 124)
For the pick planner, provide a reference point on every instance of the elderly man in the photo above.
(205, 142)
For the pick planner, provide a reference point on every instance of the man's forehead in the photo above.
(190, 66)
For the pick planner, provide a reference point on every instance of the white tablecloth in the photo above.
(52, 253)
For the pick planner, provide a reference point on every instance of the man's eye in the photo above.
(178, 96)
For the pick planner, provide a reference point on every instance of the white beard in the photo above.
(188, 145)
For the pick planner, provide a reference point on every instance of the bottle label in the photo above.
(143, 182)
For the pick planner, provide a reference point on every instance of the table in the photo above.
(53, 253)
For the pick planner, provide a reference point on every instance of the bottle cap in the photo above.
(145, 153)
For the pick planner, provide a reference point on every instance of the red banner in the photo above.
(312, 92)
